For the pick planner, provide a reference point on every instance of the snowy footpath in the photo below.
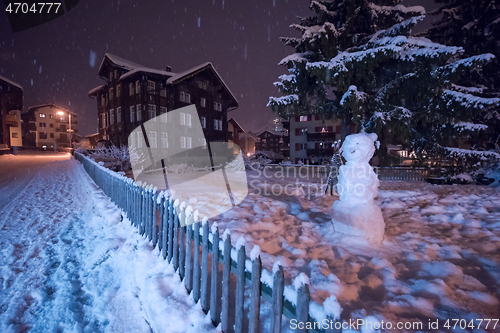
(69, 261)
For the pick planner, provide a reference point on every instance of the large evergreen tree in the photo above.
(357, 60)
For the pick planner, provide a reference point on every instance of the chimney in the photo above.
(168, 69)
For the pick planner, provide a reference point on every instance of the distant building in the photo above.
(311, 138)
(272, 141)
(93, 138)
(133, 94)
(47, 126)
(247, 142)
(234, 131)
(11, 105)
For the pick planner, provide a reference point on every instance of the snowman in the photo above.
(356, 213)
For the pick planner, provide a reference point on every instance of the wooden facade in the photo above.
(133, 94)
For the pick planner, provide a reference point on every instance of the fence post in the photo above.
(176, 237)
(255, 296)
(214, 279)
(240, 289)
(302, 311)
(278, 286)
(204, 268)
(160, 225)
(164, 230)
(188, 282)
(171, 212)
(196, 262)
(182, 242)
(225, 284)
(154, 235)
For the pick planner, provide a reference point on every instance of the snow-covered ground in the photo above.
(68, 263)
(440, 258)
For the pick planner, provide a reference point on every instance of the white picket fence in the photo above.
(186, 242)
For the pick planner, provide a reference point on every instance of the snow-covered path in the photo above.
(68, 263)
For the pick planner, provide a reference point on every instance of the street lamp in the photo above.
(61, 113)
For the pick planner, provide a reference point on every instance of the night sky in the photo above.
(58, 61)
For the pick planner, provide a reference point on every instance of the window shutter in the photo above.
(316, 117)
(309, 117)
(297, 146)
(316, 145)
(330, 128)
(297, 131)
(353, 128)
(297, 118)
(317, 129)
(338, 130)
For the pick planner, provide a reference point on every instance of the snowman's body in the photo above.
(356, 213)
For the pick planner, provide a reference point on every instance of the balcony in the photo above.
(321, 136)
(320, 152)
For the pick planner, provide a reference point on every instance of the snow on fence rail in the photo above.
(180, 237)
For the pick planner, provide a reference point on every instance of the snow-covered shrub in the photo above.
(117, 158)
(257, 161)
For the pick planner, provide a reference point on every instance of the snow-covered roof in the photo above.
(50, 105)
(124, 63)
(96, 89)
(180, 76)
(146, 70)
(11, 82)
(234, 120)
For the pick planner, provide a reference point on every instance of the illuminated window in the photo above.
(303, 118)
(119, 114)
(42, 115)
(153, 143)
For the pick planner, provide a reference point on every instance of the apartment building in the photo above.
(47, 126)
(133, 94)
(11, 105)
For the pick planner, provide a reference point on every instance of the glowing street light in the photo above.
(61, 113)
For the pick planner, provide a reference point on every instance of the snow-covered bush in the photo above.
(257, 161)
(117, 158)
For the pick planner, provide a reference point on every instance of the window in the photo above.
(203, 102)
(183, 142)
(119, 114)
(163, 93)
(63, 137)
(204, 143)
(133, 141)
(110, 93)
(131, 89)
(103, 99)
(51, 125)
(42, 125)
(42, 135)
(132, 114)
(103, 120)
(153, 142)
(188, 142)
(217, 106)
(51, 135)
(300, 146)
(203, 122)
(116, 74)
(15, 135)
(118, 90)
(151, 86)
(163, 115)
(216, 124)
(138, 112)
(42, 115)
(181, 96)
(220, 125)
(164, 140)
(303, 118)
(188, 120)
(183, 118)
(152, 111)
(137, 87)
(187, 98)
(111, 76)
(111, 116)
(301, 131)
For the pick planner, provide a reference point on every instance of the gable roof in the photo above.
(94, 91)
(10, 82)
(197, 69)
(235, 123)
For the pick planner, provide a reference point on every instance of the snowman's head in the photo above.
(359, 148)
